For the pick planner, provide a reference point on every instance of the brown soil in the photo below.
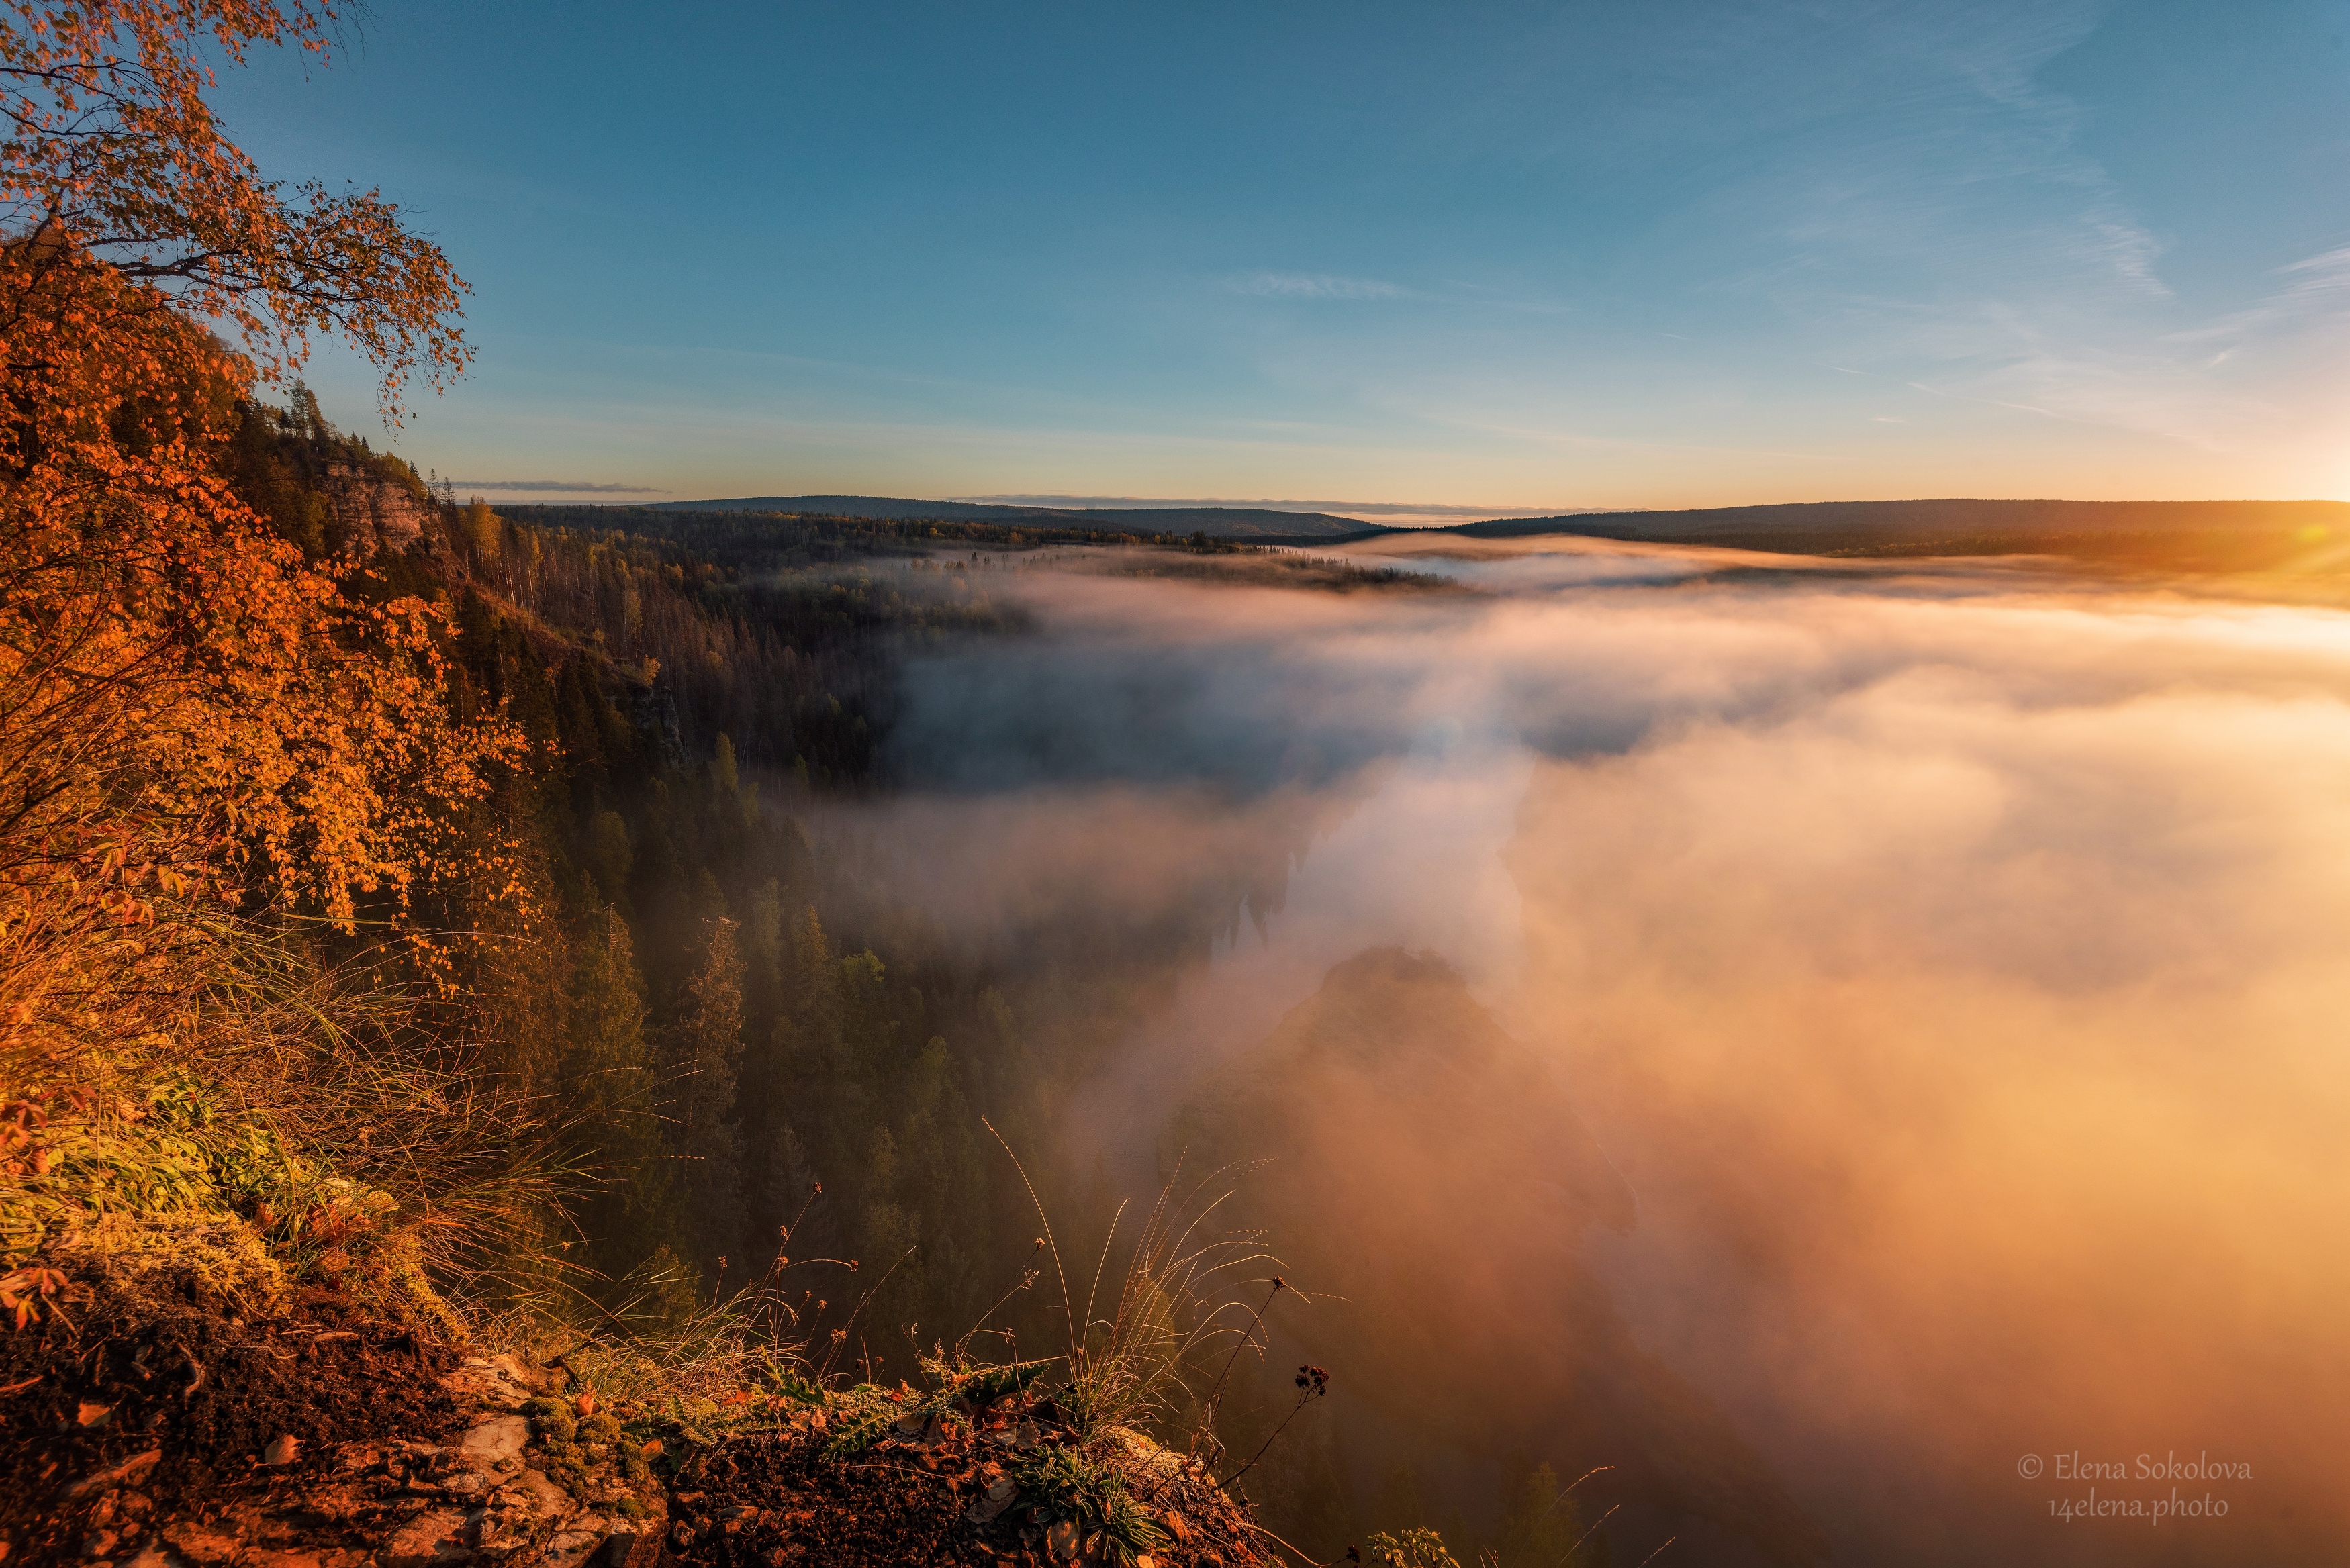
(772, 1501)
(768, 1500)
(82, 1396)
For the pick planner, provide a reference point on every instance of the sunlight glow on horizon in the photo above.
(2087, 250)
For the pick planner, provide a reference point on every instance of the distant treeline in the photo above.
(2179, 536)
(785, 539)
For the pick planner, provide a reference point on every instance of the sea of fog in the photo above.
(1949, 955)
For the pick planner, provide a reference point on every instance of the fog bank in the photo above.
(1947, 955)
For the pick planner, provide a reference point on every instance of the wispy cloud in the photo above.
(1331, 286)
(2127, 249)
(2316, 286)
(1987, 403)
(553, 487)
(1312, 285)
(2208, 386)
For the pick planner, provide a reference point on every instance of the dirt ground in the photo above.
(89, 1394)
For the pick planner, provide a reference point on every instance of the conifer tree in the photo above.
(608, 1090)
(810, 1036)
(763, 952)
(707, 1057)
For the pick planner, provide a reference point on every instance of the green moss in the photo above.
(152, 1263)
(170, 1181)
(557, 1431)
(551, 1420)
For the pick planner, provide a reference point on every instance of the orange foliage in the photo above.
(183, 703)
(113, 147)
(187, 712)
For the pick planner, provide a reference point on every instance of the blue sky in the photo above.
(1492, 257)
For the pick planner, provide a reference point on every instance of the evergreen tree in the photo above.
(706, 1054)
(1540, 1523)
(763, 954)
(810, 1036)
(609, 858)
(607, 1093)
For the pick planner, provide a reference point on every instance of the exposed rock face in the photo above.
(372, 511)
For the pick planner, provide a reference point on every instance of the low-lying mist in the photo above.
(1947, 960)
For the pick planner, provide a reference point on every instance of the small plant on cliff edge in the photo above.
(1138, 1363)
(1313, 1383)
(562, 1433)
(1414, 1547)
(1063, 1485)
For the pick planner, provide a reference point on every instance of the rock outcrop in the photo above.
(513, 1467)
(374, 511)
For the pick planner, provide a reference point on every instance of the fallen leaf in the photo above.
(91, 1415)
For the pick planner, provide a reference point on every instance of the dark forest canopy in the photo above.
(719, 1010)
(739, 535)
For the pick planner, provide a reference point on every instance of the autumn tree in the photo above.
(114, 160)
(187, 708)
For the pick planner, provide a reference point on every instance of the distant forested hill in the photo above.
(2203, 535)
(1216, 522)
(2221, 534)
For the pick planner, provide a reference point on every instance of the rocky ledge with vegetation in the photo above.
(318, 1440)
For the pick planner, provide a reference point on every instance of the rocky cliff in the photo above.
(213, 1443)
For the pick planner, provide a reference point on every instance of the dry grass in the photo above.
(210, 1110)
(1154, 1358)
